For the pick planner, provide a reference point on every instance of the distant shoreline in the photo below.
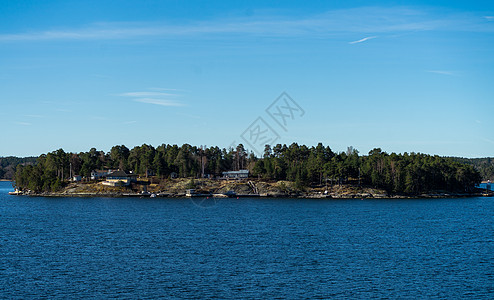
(236, 188)
(208, 188)
(5, 180)
(181, 196)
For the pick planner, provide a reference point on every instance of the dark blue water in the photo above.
(247, 248)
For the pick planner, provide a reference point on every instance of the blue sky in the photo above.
(414, 76)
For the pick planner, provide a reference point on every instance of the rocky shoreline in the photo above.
(176, 188)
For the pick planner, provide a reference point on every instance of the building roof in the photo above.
(120, 173)
(237, 172)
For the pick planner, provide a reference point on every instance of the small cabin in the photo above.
(236, 174)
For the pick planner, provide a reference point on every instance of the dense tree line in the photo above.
(397, 173)
(306, 166)
(485, 166)
(54, 168)
(9, 164)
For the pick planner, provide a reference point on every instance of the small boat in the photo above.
(231, 194)
(192, 193)
(16, 193)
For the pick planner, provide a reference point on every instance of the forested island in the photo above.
(485, 166)
(8, 165)
(294, 169)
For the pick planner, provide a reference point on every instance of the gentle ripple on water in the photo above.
(246, 248)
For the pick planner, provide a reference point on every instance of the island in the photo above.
(281, 171)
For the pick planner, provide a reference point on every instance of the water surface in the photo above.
(245, 248)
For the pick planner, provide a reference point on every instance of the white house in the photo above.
(119, 178)
(97, 174)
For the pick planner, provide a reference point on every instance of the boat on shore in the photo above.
(16, 193)
(192, 193)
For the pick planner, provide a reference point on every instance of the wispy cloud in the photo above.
(355, 20)
(159, 102)
(158, 98)
(490, 18)
(442, 72)
(488, 140)
(23, 123)
(147, 94)
(363, 40)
